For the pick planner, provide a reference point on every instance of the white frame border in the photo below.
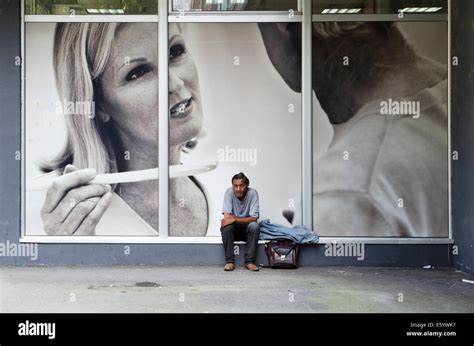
(22, 121)
(450, 156)
(307, 116)
(217, 240)
(163, 121)
(90, 18)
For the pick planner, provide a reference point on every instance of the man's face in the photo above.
(239, 187)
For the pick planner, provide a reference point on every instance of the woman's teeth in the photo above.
(180, 110)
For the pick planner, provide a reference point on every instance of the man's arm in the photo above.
(245, 220)
(231, 218)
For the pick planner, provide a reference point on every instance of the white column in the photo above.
(163, 123)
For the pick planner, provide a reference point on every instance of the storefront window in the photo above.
(380, 156)
(231, 112)
(91, 102)
(90, 7)
(237, 103)
(351, 7)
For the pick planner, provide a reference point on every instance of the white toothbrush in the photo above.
(133, 176)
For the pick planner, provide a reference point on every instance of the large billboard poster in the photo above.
(383, 88)
(380, 144)
(91, 109)
(244, 118)
(230, 111)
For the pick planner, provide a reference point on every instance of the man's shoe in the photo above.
(229, 267)
(252, 267)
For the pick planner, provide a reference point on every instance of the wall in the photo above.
(118, 254)
(462, 117)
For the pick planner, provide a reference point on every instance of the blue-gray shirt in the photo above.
(249, 207)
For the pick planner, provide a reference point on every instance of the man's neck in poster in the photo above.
(403, 82)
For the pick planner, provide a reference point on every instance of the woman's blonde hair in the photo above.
(81, 52)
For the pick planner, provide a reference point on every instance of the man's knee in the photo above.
(228, 228)
(253, 227)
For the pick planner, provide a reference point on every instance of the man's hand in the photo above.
(227, 220)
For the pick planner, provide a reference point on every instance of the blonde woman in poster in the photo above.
(111, 70)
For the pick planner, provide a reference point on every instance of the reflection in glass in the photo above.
(347, 7)
(90, 7)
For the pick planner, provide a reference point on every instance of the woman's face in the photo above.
(185, 94)
(129, 86)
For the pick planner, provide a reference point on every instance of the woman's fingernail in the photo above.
(108, 188)
(90, 172)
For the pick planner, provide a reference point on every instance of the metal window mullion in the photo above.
(307, 116)
(163, 123)
(22, 122)
(218, 240)
(450, 226)
(91, 18)
(232, 18)
(234, 13)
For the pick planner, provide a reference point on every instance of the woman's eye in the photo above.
(176, 51)
(138, 72)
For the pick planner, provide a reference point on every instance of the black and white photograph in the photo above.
(220, 123)
(232, 164)
(91, 110)
(384, 90)
(365, 149)
(250, 122)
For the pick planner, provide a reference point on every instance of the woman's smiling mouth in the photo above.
(182, 109)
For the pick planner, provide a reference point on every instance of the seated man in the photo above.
(241, 211)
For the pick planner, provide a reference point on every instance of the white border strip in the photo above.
(217, 240)
(163, 122)
(450, 216)
(307, 120)
(202, 17)
(235, 13)
(22, 130)
(110, 18)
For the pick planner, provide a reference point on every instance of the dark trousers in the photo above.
(246, 232)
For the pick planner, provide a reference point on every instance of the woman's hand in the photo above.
(73, 207)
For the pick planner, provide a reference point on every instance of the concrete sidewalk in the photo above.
(210, 289)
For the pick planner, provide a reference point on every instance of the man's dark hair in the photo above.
(241, 176)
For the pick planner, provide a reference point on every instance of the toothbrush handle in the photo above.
(133, 176)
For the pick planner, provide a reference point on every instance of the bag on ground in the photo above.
(282, 253)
